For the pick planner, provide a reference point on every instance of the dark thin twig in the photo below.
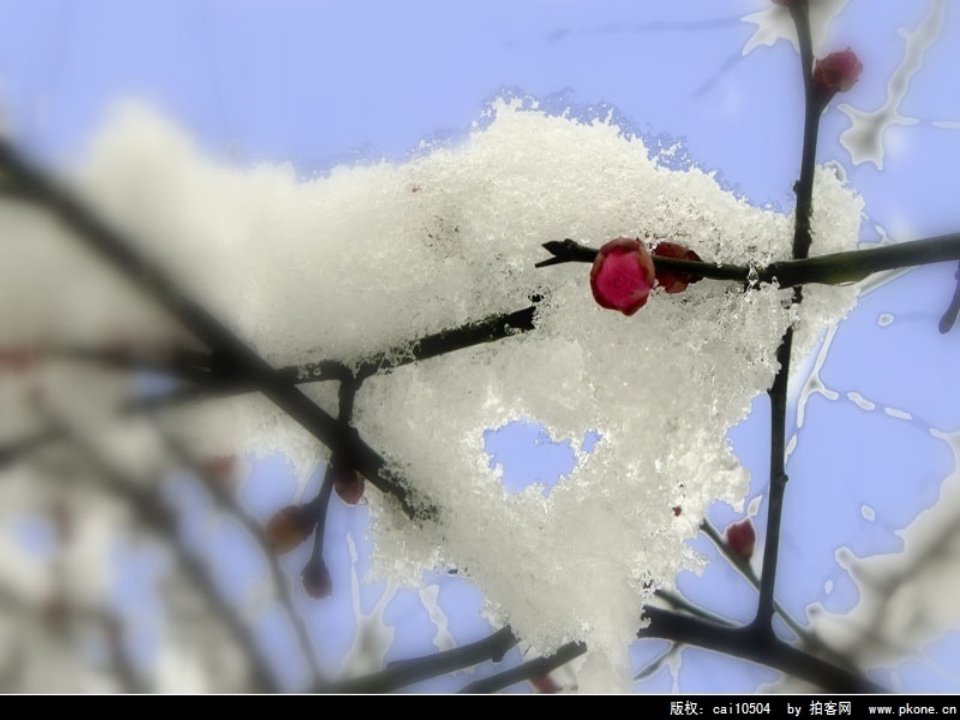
(214, 379)
(778, 484)
(763, 622)
(654, 665)
(220, 384)
(813, 110)
(764, 649)
(949, 318)
(831, 269)
(681, 603)
(179, 362)
(340, 462)
(407, 672)
(527, 670)
(806, 635)
(489, 329)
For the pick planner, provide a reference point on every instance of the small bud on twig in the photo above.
(289, 527)
(316, 580)
(348, 485)
(836, 72)
(670, 280)
(742, 538)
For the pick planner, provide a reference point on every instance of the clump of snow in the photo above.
(375, 256)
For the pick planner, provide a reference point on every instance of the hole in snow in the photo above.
(528, 455)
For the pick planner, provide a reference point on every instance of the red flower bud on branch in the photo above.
(670, 280)
(288, 528)
(742, 538)
(316, 580)
(836, 72)
(622, 275)
(348, 485)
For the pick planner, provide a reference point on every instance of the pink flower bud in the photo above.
(349, 485)
(835, 73)
(742, 538)
(288, 528)
(670, 280)
(622, 275)
(316, 579)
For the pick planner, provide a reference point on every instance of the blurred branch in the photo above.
(176, 362)
(228, 503)
(215, 377)
(120, 660)
(407, 672)
(937, 545)
(122, 255)
(111, 626)
(18, 449)
(224, 345)
(489, 329)
(223, 381)
(157, 516)
(527, 670)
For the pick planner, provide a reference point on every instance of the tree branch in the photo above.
(745, 643)
(763, 622)
(221, 381)
(831, 269)
(810, 639)
(528, 670)
(118, 252)
(155, 514)
(949, 318)
(406, 672)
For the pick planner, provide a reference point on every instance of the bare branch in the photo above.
(407, 672)
(121, 254)
(526, 671)
(763, 622)
(762, 648)
(156, 515)
(831, 269)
